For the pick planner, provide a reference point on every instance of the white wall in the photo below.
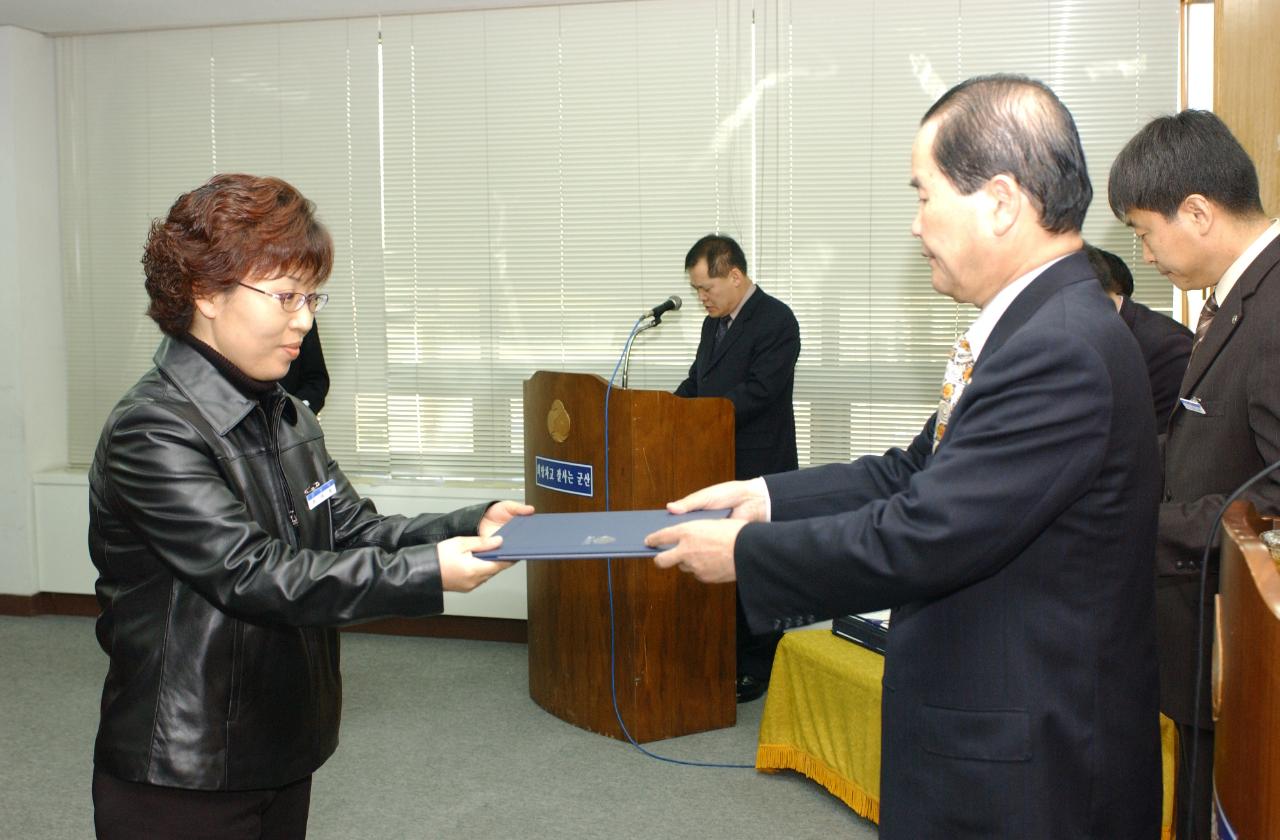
(33, 379)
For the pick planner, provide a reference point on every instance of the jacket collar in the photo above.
(217, 400)
(748, 309)
(1230, 314)
(1069, 270)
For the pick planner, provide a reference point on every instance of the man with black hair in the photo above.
(747, 354)
(1190, 193)
(1166, 344)
(1013, 537)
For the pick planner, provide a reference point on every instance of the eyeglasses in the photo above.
(293, 301)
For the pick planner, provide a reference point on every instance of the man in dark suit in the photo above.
(747, 354)
(1165, 344)
(308, 377)
(1013, 541)
(1190, 193)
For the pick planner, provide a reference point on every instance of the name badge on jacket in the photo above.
(317, 494)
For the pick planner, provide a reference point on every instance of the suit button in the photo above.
(1168, 497)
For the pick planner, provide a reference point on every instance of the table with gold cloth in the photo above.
(822, 719)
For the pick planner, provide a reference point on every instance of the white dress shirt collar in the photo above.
(733, 316)
(1228, 281)
(980, 330)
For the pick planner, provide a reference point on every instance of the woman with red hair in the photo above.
(229, 544)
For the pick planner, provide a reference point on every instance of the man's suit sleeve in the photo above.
(689, 387)
(771, 369)
(1166, 346)
(1029, 437)
(1165, 369)
(836, 488)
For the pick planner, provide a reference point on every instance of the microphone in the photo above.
(661, 309)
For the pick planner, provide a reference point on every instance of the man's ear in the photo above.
(1198, 212)
(1007, 203)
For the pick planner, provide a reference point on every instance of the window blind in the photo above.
(845, 86)
(508, 189)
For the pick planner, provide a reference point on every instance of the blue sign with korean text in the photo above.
(563, 476)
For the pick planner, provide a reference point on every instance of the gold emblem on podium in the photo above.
(558, 422)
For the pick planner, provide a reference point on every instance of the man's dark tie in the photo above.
(722, 327)
(1207, 312)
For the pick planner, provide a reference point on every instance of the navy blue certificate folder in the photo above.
(579, 536)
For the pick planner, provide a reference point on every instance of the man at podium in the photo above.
(1014, 537)
(747, 354)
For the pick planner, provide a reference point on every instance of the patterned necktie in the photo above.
(1207, 312)
(959, 370)
(722, 327)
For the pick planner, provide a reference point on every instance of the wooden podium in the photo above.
(1246, 679)
(673, 636)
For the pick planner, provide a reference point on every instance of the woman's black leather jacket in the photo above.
(222, 572)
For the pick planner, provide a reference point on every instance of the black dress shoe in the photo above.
(750, 688)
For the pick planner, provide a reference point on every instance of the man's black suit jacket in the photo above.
(1020, 687)
(1166, 347)
(1234, 376)
(754, 368)
(308, 377)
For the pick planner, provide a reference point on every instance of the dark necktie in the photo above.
(722, 327)
(1207, 312)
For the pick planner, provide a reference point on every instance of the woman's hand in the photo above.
(499, 513)
(459, 570)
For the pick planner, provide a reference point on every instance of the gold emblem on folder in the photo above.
(558, 422)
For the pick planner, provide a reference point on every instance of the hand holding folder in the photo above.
(591, 535)
(705, 550)
(460, 569)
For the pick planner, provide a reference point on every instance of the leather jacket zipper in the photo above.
(305, 634)
(274, 431)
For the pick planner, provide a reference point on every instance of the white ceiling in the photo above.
(66, 17)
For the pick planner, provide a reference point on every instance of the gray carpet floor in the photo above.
(439, 740)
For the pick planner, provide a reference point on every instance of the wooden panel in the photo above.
(1246, 65)
(50, 603)
(470, 627)
(1247, 742)
(673, 636)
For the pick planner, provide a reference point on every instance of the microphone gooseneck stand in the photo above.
(613, 657)
(626, 351)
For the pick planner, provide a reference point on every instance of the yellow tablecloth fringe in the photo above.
(771, 758)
